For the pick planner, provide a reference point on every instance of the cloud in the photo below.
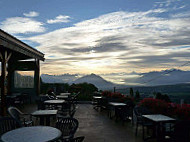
(22, 25)
(59, 19)
(118, 42)
(181, 15)
(31, 14)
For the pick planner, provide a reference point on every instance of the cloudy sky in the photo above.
(108, 37)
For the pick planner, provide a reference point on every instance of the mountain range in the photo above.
(155, 78)
(97, 80)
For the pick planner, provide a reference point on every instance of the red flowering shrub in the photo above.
(117, 95)
(155, 105)
(183, 112)
(106, 93)
(109, 94)
(124, 99)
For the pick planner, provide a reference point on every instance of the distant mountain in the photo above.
(165, 77)
(65, 78)
(155, 78)
(96, 80)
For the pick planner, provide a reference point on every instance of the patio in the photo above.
(96, 126)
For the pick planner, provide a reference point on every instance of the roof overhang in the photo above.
(12, 43)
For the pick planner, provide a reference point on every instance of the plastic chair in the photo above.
(8, 124)
(19, 116)
(68, 127)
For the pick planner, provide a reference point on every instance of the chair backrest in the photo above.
(8, 124)
(123, 112)
(40, 104)
(140, 110)
(182, 131)
(68, 126)
(15, 114)
(78, 139)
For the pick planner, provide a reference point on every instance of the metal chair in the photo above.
(178, 132)
(138, 112)
(20, 117)
(7, 124)
(78, 139)
(68, 127)
(123, 113)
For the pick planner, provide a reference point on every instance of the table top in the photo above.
(117, 104)
(54, 101)
(32, 134)
(44, 112)
(65, 94)
(62, 96)
(97, 97)
(158, 117)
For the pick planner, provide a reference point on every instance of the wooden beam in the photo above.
(9, 56)
(14, 44)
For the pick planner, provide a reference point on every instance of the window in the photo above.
(24, 79)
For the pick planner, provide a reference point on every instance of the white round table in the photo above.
(32, 134)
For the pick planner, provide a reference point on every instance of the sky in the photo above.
(113, 38)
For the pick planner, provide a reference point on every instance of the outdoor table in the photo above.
(113, 107)
(115, 104)
(44, 115)
(32, 134)
(96, 101)
(97, 97)
(158, 119)
(65, 94)
(54, 104)
(62, 97)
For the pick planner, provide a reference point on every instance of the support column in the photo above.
(37, 76)
(4, 59)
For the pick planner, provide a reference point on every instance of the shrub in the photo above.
(155, 105)
(183, 112)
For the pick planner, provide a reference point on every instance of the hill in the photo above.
(98, 81)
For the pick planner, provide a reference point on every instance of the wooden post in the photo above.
(4, 59)
(37, 70)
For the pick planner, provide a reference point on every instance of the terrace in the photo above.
(112, 117)
(96, 126)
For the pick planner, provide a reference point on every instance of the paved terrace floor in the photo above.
(96, 126)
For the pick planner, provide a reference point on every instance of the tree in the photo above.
(131, 92)
(137, 95)
(162, 97)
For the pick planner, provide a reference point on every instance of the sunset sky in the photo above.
(109, 37)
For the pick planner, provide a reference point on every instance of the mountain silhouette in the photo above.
(154, 78)
(98, 81)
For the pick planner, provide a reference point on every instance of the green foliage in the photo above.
(162, 97)
(131, 92)
(137, 95)
(59, 87)
(85, 89)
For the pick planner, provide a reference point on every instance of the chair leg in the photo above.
(136, 129)
(143, 132)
